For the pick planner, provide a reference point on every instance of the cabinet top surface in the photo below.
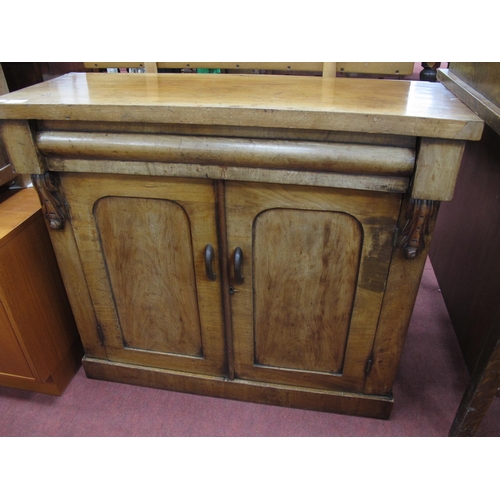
(348, 104)
(16, 208)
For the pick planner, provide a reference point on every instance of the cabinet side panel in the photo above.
(35, 297)
(149, 258)
(464, 251)
(12, 360)
(399, 300)
(305, 273)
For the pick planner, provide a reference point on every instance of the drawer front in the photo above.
(347, 164)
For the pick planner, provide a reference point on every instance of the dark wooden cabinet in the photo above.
(464, 251)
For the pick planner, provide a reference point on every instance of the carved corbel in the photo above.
(419, 214)
(47, 186)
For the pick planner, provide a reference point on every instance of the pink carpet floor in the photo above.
(428, 389)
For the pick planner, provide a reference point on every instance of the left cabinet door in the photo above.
(142, 244)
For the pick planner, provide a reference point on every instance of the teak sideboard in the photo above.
(40, 349)
(253, 237)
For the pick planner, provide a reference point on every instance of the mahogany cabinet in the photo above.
(464, 251)
(260, 238)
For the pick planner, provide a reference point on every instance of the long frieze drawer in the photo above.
(223, 151)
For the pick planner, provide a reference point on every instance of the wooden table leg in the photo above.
(482, 388)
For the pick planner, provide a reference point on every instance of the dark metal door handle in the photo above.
(209, 262)
(238, 265)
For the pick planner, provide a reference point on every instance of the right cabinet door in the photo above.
(315, 263)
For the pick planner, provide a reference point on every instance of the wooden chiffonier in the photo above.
(253, 237)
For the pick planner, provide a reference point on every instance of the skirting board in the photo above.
(242, 390)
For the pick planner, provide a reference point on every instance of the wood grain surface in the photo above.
(128, 258)
(376, 214)
(355, 105)
(305, 271)
(31, 291)
(437, 169)
(12, 359)
(304, 175)
(278, 133)
(301, 155)
(469, 90)
(383, 183)
(20, 146)
(482, 76)
(482, 388)
(149, 258)
(17, 208)
(397, 307)
(242, 390)
(464, 247)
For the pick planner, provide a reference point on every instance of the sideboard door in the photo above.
(142, 244)
(310, 272)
